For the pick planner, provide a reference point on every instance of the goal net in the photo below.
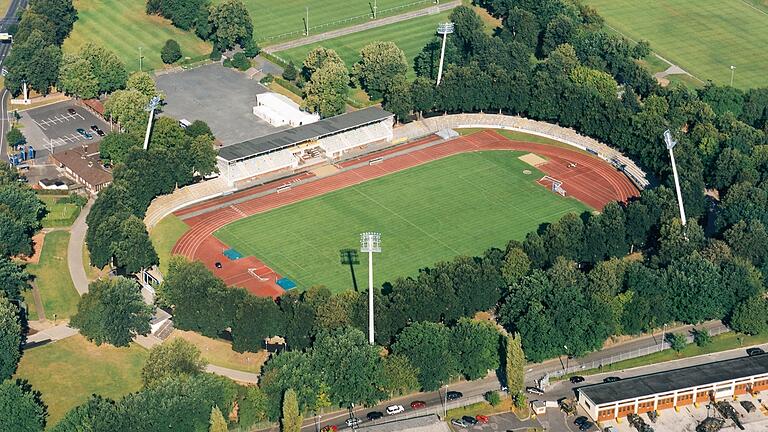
(555, 184)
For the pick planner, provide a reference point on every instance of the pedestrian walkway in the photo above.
(59, 332)
(75, 250)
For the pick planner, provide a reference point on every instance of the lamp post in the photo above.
(140, 58)
(370, 242)
(733, 68)
(663, 334)
(567, 358)
(444, 29)
(151, 106)
(671, 143)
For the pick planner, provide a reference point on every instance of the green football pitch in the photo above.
(284, 20)
(410, 36)
(459, 205)
(123, 26)
(704, 37)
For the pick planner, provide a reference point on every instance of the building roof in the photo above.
(86, 163)
(676, 379)
(291, 137)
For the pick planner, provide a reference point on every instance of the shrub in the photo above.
(493, 398)
(241, 62)
(171, 52)
(676, 341)
(267, 79)
(289, 73)
(519, 400)
(215, 54)
(251, 49)
(701, 337)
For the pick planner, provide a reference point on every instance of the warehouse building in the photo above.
(674, 388)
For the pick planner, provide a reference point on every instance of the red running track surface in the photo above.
(585, 177)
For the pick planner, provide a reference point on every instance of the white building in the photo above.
(278, 110)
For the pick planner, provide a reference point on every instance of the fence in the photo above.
(598, 364)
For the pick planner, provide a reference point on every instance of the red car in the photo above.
(418, 404)
(330, 428)
(481, 418)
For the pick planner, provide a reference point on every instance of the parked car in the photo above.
(395, 409)
(610, 429)
(481, 418)
(354, 421)
(586, 426)
(578, 421)
(83, 133)
(453, 395)
(374, 415)
(217, 265)
(755, 351)
(577, 379)
(611, 379)
(469, 420)
(652, 416)
(534, 390)
(418, 404)
(459, 423)
(71, 111)
(748, 406)
(330, 428)
(98, 130)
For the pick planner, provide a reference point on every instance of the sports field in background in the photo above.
(460, 205)
(123, 26)
(704, 37)
(411, 36)
(284, 20)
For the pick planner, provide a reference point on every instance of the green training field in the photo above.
(462, 204)
(284, 20)
(410, 36)
(704, 37)
(123, 26)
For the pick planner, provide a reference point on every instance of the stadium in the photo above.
(288, 203)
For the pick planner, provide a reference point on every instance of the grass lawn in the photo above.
(284, 20)
(219, 352)
(704, 37)
(461, 204)
(67, 372)
(164, 235)
(410, 36)
(123, 26)
(52, 277)
(29, 299)
(59, 214)
(4, 4)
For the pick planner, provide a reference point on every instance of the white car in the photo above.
(395, 409)
(354, 421)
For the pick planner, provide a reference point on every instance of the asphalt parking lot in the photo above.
(55, 125)
(222, 97)
(501, 422)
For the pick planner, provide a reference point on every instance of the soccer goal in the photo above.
(556, 185)
(252, 272)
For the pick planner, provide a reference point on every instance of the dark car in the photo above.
(418, 404)
(534, 390)
(453, 395)
(578, 421)
(611, 379)
(83, 133)
(71, 111)
(577, 379)
(98, 130)
(217, 264)
(755, 351)
(586, 426)
(469, 420)
(374, 415)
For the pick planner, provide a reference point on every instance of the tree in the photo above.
(33, 60)
(427, 346)
(21, 407)
(10, 338)
(203, 27)
(127, 107)
(13, 279)
(316, 58)
(115, 147)
(198, 128)
(251, 49)
(171, 52)
(76, 78)
(290, 73)
(559, 31)
(241, 62)
(106, 66)
(515, 364)
(701, 337)
(112, 311)
(523, 27)
(476, 347)
(218, 424)
(326, 91)
(397, 99)
(749, 316)
(427, 62)
(142, 82)
(516, 265)
(175, 358)
(60, 12)
(15, 138)
(257, 318)
(493, 398)
(21, 213)
(134, 251)
(422, 95)
(399, 376)
(231, 24)
(676, 341)
(748, 240)
(291, 419)
(96, 414)
(676, 241)
(203, 155)
(382, 64)
(468, 29)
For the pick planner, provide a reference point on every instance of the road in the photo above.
(5, 48)
(362, 27)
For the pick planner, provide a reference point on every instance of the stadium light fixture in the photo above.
(151, 106)
(444, 29)
(370, 242)
(671, 143)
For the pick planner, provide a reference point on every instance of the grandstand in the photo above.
(323, 141)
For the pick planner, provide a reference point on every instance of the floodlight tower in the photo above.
(671, 143)
(151, 106)
(733, 69)
(370, 242)
(444, 29)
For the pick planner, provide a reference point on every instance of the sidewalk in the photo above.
(53, 334)
(75, 250)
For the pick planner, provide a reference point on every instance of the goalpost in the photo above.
(557, 185)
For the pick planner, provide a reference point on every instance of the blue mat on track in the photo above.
(286, 283)
(232, 254)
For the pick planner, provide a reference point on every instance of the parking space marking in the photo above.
(58, 118)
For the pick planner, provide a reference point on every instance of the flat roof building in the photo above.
(676, 387)
(278, 110)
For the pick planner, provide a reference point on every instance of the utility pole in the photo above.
(151, 106)
(140, 58)
(671, 143)
(444, 29)
(374, 9)
(733, 68)
(370, 242)
(306, 21)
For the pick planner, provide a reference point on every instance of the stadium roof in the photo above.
(676, 379)
(298, 135)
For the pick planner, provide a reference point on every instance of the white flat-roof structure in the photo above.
(278, 110)
(674, 388)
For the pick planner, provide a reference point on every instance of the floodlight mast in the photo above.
(370, 242)
(444, 29)
(151, 106)
(671, 143)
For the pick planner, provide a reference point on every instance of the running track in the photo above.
(592, 181)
